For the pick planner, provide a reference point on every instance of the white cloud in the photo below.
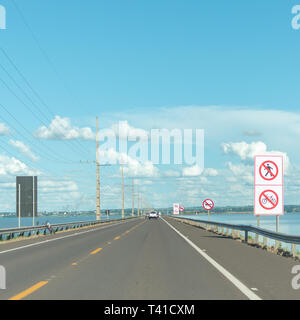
(192, 171)
(133, 167)
(61, 129)
(124, 131)
(24, 149)
(4, 130)
(210, 172)
(14, 167)
(243, 173)
(247, 151)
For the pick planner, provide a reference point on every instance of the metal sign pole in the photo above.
(277, 223)
(19, 213)
(33, 205)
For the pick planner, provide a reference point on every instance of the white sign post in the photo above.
(175, 208)
(268, 186)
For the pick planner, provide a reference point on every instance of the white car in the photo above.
(153, 214)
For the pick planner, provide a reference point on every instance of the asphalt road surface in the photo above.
(143, 259)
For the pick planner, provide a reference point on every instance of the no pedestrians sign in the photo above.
(268, 185)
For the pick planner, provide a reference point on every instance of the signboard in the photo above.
(208, 204)
(268, 170)
(175, 208)
(268, 185)
(181, 208)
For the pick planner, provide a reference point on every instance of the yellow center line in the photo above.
(27, 292)
(96, 251)
(74, 264)
(117, 238)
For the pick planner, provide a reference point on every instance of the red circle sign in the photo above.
(269, 173)
(208, 204)
(268, 199)
(181, 208)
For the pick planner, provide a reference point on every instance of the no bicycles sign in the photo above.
(208, 204)
(268, 199)
(268, 185)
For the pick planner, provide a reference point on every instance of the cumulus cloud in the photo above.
(192, 171)
(24, 149)
(247, 151)
(62, 129)
(243, 173)
(123, 130)
(210, 172)
(133, 167)
(4, 130)
(13, 167)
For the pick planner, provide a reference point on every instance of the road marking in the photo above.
(246, 291)
(96, 251)
(27, 292)
(60, 238)
(117, 238)
(74, 264)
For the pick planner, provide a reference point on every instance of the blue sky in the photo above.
(229, 67)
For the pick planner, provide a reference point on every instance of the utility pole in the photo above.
(138, 197)
(132, 212)
(98, 207)
(141, 205)
(122, 192)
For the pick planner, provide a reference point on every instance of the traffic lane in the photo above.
(151, 262)
(26, 266)
(22, 241)
(256, 268)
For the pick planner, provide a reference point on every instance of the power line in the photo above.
(44, 53)
(23, 103)
(29, 133)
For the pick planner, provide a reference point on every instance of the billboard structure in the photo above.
(26, 196)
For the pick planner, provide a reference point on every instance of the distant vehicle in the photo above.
(153, 214)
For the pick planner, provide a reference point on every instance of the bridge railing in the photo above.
(235, 230)
(10, 233)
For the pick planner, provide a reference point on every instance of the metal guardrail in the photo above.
(10, 233)
(237, 228)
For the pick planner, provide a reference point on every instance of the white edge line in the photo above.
(246, 291)
(67, 236)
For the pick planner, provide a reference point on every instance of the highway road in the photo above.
(143, 259)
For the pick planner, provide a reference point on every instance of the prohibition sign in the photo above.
(266, 165)
(268, 199)
(208, 204)
(181, 208)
